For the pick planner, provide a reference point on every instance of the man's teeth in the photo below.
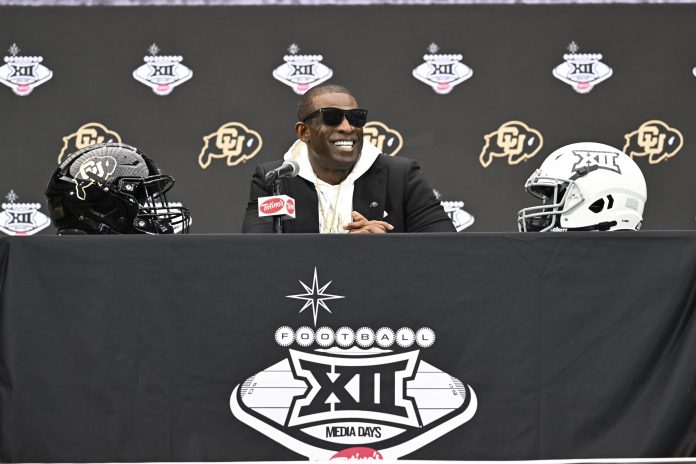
(346, 145)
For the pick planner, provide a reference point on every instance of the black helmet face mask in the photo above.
(113, 188)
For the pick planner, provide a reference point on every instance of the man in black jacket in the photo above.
(345, 184)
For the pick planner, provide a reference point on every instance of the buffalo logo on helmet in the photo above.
(442, 72)
(302, 72)
(349, 393)
(582, 71)
(233, 141)
(21, 218)
(113, 188)
(162, 73)
(654, 139)
(23, 73)
(513, 140)
(96, 169)
(92, 133)
(386, 139)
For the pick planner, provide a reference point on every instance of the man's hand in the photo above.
(361, 225)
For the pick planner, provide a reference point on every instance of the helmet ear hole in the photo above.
(597, 206)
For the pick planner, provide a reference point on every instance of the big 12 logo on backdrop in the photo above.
(442, 71)
(21, 218)
(302, 72)
(162, 73)
(23, 73)
(582, 71)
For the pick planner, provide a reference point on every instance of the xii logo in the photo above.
(582, 71)
(162, 73)
(346, 388)
(23, 73)
(597, 159)
(302, 72)
(442, 71)
(21, 218)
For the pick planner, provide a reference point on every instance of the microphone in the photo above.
(289, 168)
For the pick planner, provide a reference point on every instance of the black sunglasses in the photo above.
(357, 117)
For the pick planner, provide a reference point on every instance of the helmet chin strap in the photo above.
(602, 226)
(98, 226)
(71, 232)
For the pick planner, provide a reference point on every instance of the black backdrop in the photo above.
(233, 51)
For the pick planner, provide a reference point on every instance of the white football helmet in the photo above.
(585, 186)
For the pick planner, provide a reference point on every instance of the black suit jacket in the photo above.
(393, 185)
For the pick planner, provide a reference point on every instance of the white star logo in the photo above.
(315, 297)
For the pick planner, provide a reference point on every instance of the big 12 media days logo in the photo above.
(21, 218)
(162, 73)
(441, 71)
(302, 72)
(582, 71)
(345, 393)
(23, 73)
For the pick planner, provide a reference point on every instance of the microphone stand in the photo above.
(277, 220)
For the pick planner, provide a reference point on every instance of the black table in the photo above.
(533, 346)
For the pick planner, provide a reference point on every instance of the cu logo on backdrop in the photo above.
(88, 134)
(233, 141)
(388, 140)
(655, 140)
(513, 140)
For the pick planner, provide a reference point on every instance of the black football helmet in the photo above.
(113, 188)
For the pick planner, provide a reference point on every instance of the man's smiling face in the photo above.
(333, 148)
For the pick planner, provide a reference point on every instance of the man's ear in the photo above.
(302, 131)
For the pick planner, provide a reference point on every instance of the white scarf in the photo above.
(335, 202)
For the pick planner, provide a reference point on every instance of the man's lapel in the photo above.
(370, 192)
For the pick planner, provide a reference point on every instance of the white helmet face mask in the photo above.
(585, 186)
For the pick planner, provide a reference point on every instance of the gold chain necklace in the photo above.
(327, 228)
